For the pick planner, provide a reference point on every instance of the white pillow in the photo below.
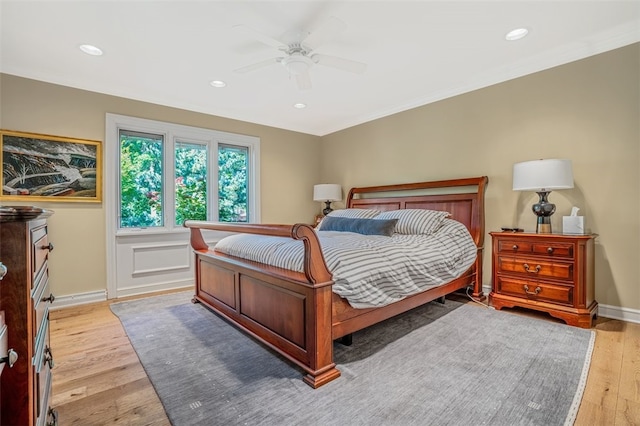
(416, 221)
(355, 213)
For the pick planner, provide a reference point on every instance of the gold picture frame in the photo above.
(38, 167)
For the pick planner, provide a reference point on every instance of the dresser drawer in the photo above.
(533, 267)
(43, 385)
(41, 303)
(535, 290)
(552, 249)
(39, 251)
(43, 413)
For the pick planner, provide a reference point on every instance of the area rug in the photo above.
(451, 364)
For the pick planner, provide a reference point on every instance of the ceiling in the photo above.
(416, 52)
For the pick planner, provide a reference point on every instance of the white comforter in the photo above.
(370, 270)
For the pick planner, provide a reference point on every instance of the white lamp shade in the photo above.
(327, 192)
(542, 175)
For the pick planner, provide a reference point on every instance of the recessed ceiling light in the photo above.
(516, 34)
(299, 105)
(218, 83)
(91, 50)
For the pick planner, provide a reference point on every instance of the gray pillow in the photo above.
(361, 226)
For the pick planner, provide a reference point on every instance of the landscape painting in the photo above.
(50, 168)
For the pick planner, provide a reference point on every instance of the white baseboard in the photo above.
(606, 311)
(79, 299)
(154, 288)
(101, 296)
(619, 313)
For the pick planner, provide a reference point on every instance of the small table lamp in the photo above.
(327, 192)
(542, 176)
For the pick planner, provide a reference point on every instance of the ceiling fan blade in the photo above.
(340, 63)
(258, 65)
(262, 38)
(303, 81)
(327, 30)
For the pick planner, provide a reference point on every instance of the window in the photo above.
(140, 179)
(232, 183)
(170, 173)
(191, 182)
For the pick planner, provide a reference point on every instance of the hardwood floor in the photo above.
(98, 380)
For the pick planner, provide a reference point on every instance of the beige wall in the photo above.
(289, 168)
(587, 111)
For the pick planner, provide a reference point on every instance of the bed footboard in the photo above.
(290, 312)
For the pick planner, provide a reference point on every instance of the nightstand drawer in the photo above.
(535, 290)
(536, 267)
(541, 248)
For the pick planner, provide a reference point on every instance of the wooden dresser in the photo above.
(25, 299)
(553, 273)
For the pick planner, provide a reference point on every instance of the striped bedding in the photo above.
(370, 270)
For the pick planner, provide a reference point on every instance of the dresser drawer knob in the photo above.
(50, 298)
(10, 359)
(550, 250)
(53, 417)
(48, 357)
(515, 247)
(528, 268)
(47, 247)
(3, 271)
(532, 293)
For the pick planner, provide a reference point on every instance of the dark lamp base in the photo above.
(543, 209)
(327, 209)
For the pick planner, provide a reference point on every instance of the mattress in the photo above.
(370, 270)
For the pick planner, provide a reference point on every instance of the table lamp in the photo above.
(543, 176)
(327, 192)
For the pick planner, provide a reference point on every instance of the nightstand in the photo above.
(553, 273)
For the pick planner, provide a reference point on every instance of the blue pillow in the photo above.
(361, 226)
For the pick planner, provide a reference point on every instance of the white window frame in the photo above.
(172, 133)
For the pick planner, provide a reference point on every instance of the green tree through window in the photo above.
(232, 184)
(191, 182)
(140, 180)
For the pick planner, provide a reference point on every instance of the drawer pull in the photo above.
(47, 247)
(532, 293)
(550, 250)
(53, 417)
(515, 247)
(48, 357)
(51, 298)
(10, 359)
(528, 268)
(3, 271)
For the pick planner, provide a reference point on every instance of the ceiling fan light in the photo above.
(297, 64)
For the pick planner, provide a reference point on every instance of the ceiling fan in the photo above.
(299, 47)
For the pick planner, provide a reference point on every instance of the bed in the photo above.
(296, 313)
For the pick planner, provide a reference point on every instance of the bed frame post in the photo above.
(321, 344)
(320, 338)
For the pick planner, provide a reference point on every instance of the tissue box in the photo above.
(573, 224)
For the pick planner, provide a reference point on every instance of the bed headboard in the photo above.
(445, 195)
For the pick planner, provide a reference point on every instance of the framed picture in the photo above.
(50, 168)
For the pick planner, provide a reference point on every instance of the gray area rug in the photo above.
(449, 364)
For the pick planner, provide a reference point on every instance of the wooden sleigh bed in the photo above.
(296, 314)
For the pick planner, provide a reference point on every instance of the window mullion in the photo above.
(213, 180)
